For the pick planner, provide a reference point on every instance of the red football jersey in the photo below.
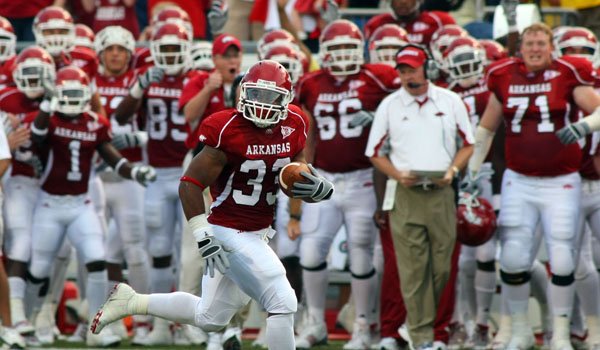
(15, 102)
(22, 9)
(166, 125)
(535, 106)
(245, 192)
(6, 72)
(82, 57)
(72, 144)
(115, 13)
(112, 90)
(142, 59)
(339, 147)
(476, 98)
(590, 148)
(420, 30)
(216, 103)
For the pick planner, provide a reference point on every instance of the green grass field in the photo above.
(247, 344)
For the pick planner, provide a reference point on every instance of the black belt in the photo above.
(427, 186)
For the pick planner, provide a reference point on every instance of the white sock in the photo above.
(315, 287)
(467, 290)
(177, 306)
(517, 297)
(17, 287)
(576, 325)
(485, 287)
(588, 292)
(280, 332)
(562, 300)
(363, 294)
(97, 291)
(539, 282)
(163, 279)
(139, 277)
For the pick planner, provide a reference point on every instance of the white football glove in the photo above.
(332, 12)
(130, 139)
(471, 183)
(143, 174)
(217, 17)
(361, 118)
(152, 75)
(318, 189)
(573, 132)
(211, 250)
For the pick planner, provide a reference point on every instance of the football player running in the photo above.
(341, 98)
(538, 98)
(244, 151)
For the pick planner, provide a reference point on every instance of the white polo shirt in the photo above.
(421, 136)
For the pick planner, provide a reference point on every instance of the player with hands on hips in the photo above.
(243, 153)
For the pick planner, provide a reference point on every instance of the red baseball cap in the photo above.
(411, 56)
(222, 42)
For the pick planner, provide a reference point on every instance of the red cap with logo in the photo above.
(411, 56)
(222, 42)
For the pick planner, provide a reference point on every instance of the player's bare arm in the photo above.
(96, 104)
(127, 109)
(380, 217)
(205, 168)
(293, 228)
(39, 129)
(142, 173)
(586, 98)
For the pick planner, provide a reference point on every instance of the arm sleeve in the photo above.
(379, 133)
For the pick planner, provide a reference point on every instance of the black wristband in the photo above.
(296, 217)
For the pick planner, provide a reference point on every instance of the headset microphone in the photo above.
(414, 85)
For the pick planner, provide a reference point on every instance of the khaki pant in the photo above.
(238, 24)
(424, 232)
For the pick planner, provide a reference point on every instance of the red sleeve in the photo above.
(210, 130)
(444, 17)
(301, 90)
(385, 75)
(304, 123)
(582, 70)
(192, 88)
(376, 22)
(105, 132)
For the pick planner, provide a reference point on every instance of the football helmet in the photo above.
(289, 59)
(173, 14)
(32, 65)
(8, 40)
(73, 92)
(84, 36)
(464, 59)
(114, 35)
(265, 93)
(170, 48)
(54, 30)
(277, 37)
(385, 42)
(581, 39)
(494, 51)
(442, 38)
(475, 220)
(201, 52)
(341, 47)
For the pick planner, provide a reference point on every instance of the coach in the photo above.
(421, 137)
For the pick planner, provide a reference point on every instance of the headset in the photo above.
(430, 67)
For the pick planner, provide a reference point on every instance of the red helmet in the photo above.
(266, 91)
(464, 59)
(385, 42)
(84, 36)
(72, 91)
(173, 14)
(32, 64)
(443, 37)
(475, 220)
(288, 58)
(171, 35)
(557, 32)
(579, 38)
(341, 47)
(277, 37)
(8, 40)
(494, 51)
(54, 18)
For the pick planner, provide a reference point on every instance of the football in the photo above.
(290, 174)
